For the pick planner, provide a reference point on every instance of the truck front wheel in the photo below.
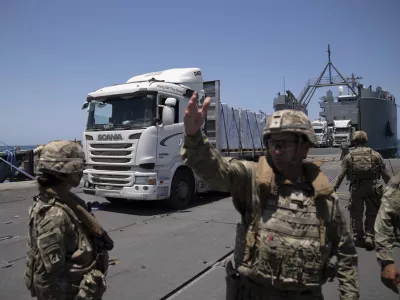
(182, 190)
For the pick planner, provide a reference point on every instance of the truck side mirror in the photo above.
(85, 105)
(170, 102)
(168, 115)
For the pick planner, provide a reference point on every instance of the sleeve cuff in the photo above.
(384, 263)
(193, 141)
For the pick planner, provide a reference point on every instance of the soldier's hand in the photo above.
(194, 116)
(390, 277)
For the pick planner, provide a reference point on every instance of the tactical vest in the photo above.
(363, 165)
(287, 244)
(85, 257)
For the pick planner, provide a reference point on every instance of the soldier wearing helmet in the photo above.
(291, 223)
(67, 256)
(363, 167)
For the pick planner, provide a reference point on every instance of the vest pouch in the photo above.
(292, 266)
(362, 165)
(240, 244)
(271, 255)
(92, 287)
(314, 267)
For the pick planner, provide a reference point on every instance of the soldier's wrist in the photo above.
(385, 263)
(193, 140)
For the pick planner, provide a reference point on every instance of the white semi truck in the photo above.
(134, 134)
(321, 131)
(342, 132)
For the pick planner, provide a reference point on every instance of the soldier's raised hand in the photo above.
(194, 116)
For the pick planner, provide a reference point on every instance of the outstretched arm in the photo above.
(220, 173)
(342, 173)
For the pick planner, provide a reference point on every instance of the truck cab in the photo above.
(321, 132)
(342, 132)
(133, 137)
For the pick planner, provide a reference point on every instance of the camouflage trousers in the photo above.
(372, 200)
(241, 288)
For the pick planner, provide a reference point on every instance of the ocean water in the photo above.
(26, 147)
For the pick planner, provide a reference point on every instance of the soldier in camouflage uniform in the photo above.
(67, 257)
(387, 229)
(291, 222)
(363, 167)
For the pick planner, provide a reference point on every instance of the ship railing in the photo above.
(313, 82)
(18, 169)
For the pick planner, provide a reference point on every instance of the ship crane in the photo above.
(338, 80)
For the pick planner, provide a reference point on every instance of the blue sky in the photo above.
(53, 53)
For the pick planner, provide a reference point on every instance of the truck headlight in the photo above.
(145, 180)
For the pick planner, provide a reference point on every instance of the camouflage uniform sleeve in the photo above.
(382, 168)
(384, 230)
(342, 172)
(219, 173)
(51, 230)
(347, 258)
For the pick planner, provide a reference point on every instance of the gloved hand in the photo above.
(390, 277)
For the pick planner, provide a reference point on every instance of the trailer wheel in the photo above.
(182, 190)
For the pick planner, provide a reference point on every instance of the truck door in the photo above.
(170, 137)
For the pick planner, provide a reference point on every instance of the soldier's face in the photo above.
(286, 147)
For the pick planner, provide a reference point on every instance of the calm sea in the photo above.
(26, 147)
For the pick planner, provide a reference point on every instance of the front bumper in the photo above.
(155, 190)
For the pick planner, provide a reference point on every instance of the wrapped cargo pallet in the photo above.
(245, 130)
(229, 128)
(260, 116)
(254, 126)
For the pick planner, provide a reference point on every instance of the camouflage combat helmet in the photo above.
(61, 158)
(289, 120)
(360, 137)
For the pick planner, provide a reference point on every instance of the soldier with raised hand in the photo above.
(387, 230)
(291, 223)
(363, 167)
(67, 257)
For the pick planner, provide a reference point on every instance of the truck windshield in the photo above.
(341, 130)
(122, 112)
(318, 130)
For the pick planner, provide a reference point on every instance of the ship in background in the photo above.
(373, 111)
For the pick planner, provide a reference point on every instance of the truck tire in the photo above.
(182, 190)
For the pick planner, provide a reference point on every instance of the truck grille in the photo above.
(111, 146)
(107, 155)
(111, 179)
(111, 160)
(111, 153)
(111, 157)
(111, 168)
